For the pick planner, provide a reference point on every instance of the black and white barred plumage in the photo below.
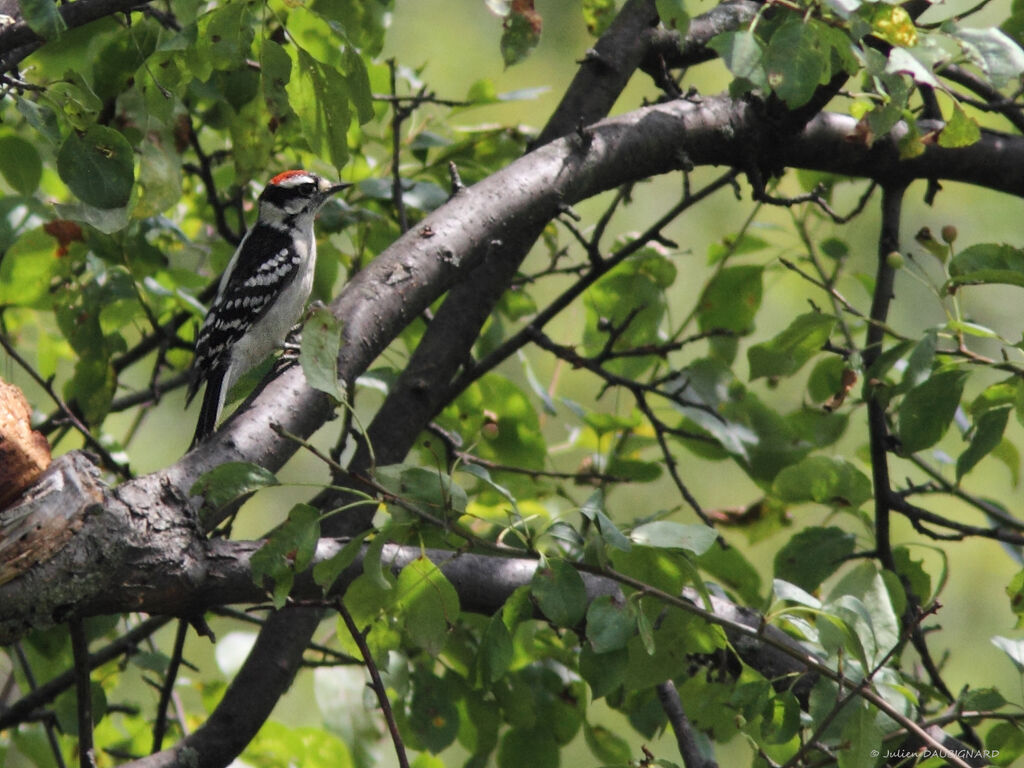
(262, 292)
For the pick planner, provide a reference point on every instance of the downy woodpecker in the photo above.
(263, 290)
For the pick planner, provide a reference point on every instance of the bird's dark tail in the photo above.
(213, 401)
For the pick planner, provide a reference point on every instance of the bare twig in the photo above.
(376, 682)
(26, 707)
(160, 726)
(83, 694)
(122, 470)
(48, 726)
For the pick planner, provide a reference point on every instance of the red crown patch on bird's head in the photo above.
(287, 175)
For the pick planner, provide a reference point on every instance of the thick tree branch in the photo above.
(454, 239)
(407, 278)
(426, 261)
(605, 70)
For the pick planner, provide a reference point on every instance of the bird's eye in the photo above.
(307, 189)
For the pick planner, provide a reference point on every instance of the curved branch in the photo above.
(398, 285)
(425, 262)
(481, 219)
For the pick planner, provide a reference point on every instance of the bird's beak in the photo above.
(331, 189)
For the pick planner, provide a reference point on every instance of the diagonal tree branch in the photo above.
(409, 276)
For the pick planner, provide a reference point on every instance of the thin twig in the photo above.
(25, 708)
(83, 694)
(377, 683)
(123, 471)
(160, 726)
(808, 659)
(399, 112)
(51, 733)
(526, 335)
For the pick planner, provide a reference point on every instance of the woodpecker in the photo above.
(262, 292)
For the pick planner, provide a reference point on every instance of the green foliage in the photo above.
(287, 551)
(521, 32)
(318, 355)
(231, 481)
(690, 430)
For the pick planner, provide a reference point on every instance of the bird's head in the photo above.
(295, 194)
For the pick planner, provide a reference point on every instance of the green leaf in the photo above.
(862, 599)
(1012, 648)
(559, 591)
(610, 623)
(321, 341)
(230, 481)
(92, 387)
(495, 654)
(927, 410)
(862, 737)
(1015, 591)
(597, 15)
(42, 118)
(734, 571)
(1005, 743)
(812, 555)
(43, 18)
(914, 573)
(660, 568)
(277, 744)
(982, 698)
(521, 33)
(98, 167)
(607, 746)
(75, 100)
(824, 479)
(429, 604)
(781, 718)
(479, 721)
(744, 55)
(327, 572)
(694, 538)
(630, 300)
(795, 62)
(320, 96)
(433, 715)
(902, 61)
(227, 35)
(604, 672)
(987, 263)
(960, 130)
(826, 378)
(431, 490)
(20, 164)
(786, 353)
(673, 14)
(520, 747)
(991, 49)
(677, 635)
(288, 550)
(66, 708)
(919, 364)
(593, 510)
(786, 591)
(731, 300)
(987, 434)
